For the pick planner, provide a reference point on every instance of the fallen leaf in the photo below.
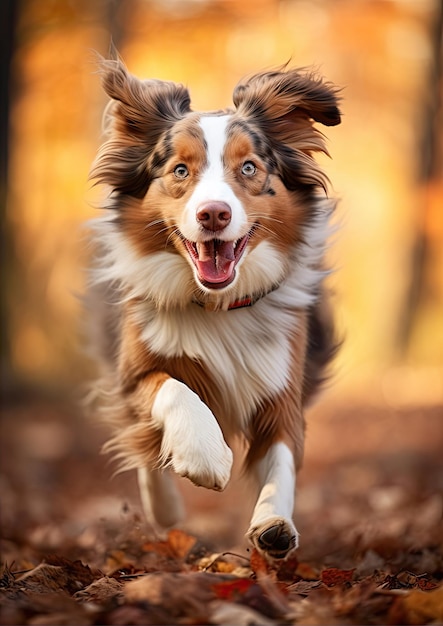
(101, 591)
(258, 563)
(159, 547)
(232, 589)
(180, 543)
(58, 575)
(425, 584)
(177, 545)
(287, 570)
(304, 587)
(217, 563)
(307, 572)
(116, 561)
(334, 576)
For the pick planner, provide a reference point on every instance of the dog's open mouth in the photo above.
(215, 260)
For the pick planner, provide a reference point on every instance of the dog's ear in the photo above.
(144, 106)
(283, 95)
(284, 104)
(139, 114)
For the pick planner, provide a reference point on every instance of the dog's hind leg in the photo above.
(161, 501)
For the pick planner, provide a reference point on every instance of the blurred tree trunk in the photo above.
(117, 17)
(429, 182)
(8, 15)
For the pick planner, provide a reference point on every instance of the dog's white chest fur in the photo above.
(246, 351)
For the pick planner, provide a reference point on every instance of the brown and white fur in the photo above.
(213, 322)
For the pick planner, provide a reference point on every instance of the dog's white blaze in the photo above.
(212, 185)
(192, 438)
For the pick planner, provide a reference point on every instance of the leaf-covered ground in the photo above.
(75, 549)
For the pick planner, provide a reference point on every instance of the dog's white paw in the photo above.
(206, 460)
(193, 443)
(276, 538)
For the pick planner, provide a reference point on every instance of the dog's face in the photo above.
(228, 192)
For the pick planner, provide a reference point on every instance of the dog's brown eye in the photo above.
(181, 171)
(248, 168)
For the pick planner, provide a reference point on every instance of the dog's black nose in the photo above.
(214, 215)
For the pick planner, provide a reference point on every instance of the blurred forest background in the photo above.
(386, 167)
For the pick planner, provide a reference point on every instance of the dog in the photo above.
(212, 320)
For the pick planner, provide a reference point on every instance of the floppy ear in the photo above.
(275, 95)
(144, 106)
(139, 114)
(284, 105)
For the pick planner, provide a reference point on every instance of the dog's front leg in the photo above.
(272, 530)
(192, 440)
(276, 451)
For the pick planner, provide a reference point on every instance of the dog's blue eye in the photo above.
(248, 168)
(181, 171)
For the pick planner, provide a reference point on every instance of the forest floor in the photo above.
(75, 548)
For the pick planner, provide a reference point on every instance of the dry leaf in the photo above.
(66, 576)
(287, 569)
(307, 572)
(161, 548)
(180, 543)
(177, 546)
(101, 591)
(304, 587)
(334, 576)
(217, 563)
(259, 565)
(232, 589)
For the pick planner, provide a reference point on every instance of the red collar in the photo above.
(241, 303)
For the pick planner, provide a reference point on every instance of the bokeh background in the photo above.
(386, 167)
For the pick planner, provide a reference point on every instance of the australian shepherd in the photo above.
(213, 322)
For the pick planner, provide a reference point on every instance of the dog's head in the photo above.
(227, 193)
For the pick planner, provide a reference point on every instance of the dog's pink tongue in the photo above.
(216, 261)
